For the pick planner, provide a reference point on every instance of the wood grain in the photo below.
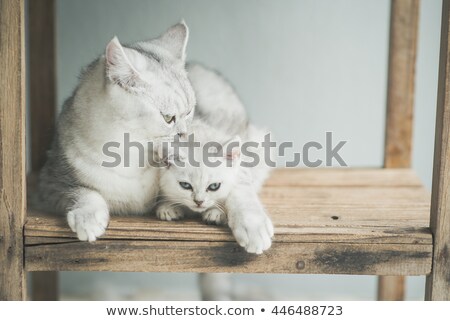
(172, 256)
(391, 288)
(149, 228)
(370, 214)
(400, 105)
(12, 150)
(401, 72)
(438, 282)
(376, 214)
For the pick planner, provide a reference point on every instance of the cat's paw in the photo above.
(88, 222)
(214, 216)
(166, 212)
(254, 233)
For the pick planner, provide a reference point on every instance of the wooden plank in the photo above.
(400, 105)
(149, 228)
(170, 256)
(42, 62)
(12, 150)
(396, 215)
(400, 95)
(438, 282)
(306, 218)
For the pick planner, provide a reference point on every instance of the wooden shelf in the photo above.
(346, 221)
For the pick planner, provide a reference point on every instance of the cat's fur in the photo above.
(126, 90)
(220, 117)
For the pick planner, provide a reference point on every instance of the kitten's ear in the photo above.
(232, 149)
(120, 64)
(167, 157)
(163, 154)
(175, 40)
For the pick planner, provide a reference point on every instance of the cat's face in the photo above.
(200, 187)
(149, 83)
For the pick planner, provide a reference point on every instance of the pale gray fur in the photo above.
(218, 104)
(126, 90)
(220, 116)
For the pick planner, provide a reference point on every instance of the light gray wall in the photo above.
(302, 67)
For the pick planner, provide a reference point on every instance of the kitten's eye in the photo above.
(169, 118)
(186, 185)
(214, 187)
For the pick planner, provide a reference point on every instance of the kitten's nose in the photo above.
(199, 203)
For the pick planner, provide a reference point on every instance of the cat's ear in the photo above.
(121, 64)
(232, 150)
(175, 40)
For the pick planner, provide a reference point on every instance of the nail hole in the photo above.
(334, 217)
(300, 265)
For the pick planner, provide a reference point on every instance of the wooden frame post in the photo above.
(438, 282)
(12, 150)
(41, 22)
(400, 104)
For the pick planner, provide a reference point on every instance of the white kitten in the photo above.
(222, 193)
(201, 188)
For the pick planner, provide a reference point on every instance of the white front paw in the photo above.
(215, 216)
(88, 222)
(166, 212)
(254, 233)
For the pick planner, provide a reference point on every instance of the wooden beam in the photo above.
(12, 150)
(41, 26)
(391, 288)
(400, 105)
(400, 91)
(200, 256)
(438, 282)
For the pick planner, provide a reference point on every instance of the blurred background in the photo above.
(302, 68)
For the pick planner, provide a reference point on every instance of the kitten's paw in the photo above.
(88, 222)
(166, 212)
(215, 216)
(255, 233)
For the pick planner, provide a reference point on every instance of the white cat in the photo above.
(141, 90)
(222, 194)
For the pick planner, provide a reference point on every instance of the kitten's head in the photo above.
(201, 186)
(148, 84)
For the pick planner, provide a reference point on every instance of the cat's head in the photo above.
(200, 185)
(148, 83)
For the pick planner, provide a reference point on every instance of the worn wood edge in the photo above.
(150, 256)
(12, 150)
(438, 282)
